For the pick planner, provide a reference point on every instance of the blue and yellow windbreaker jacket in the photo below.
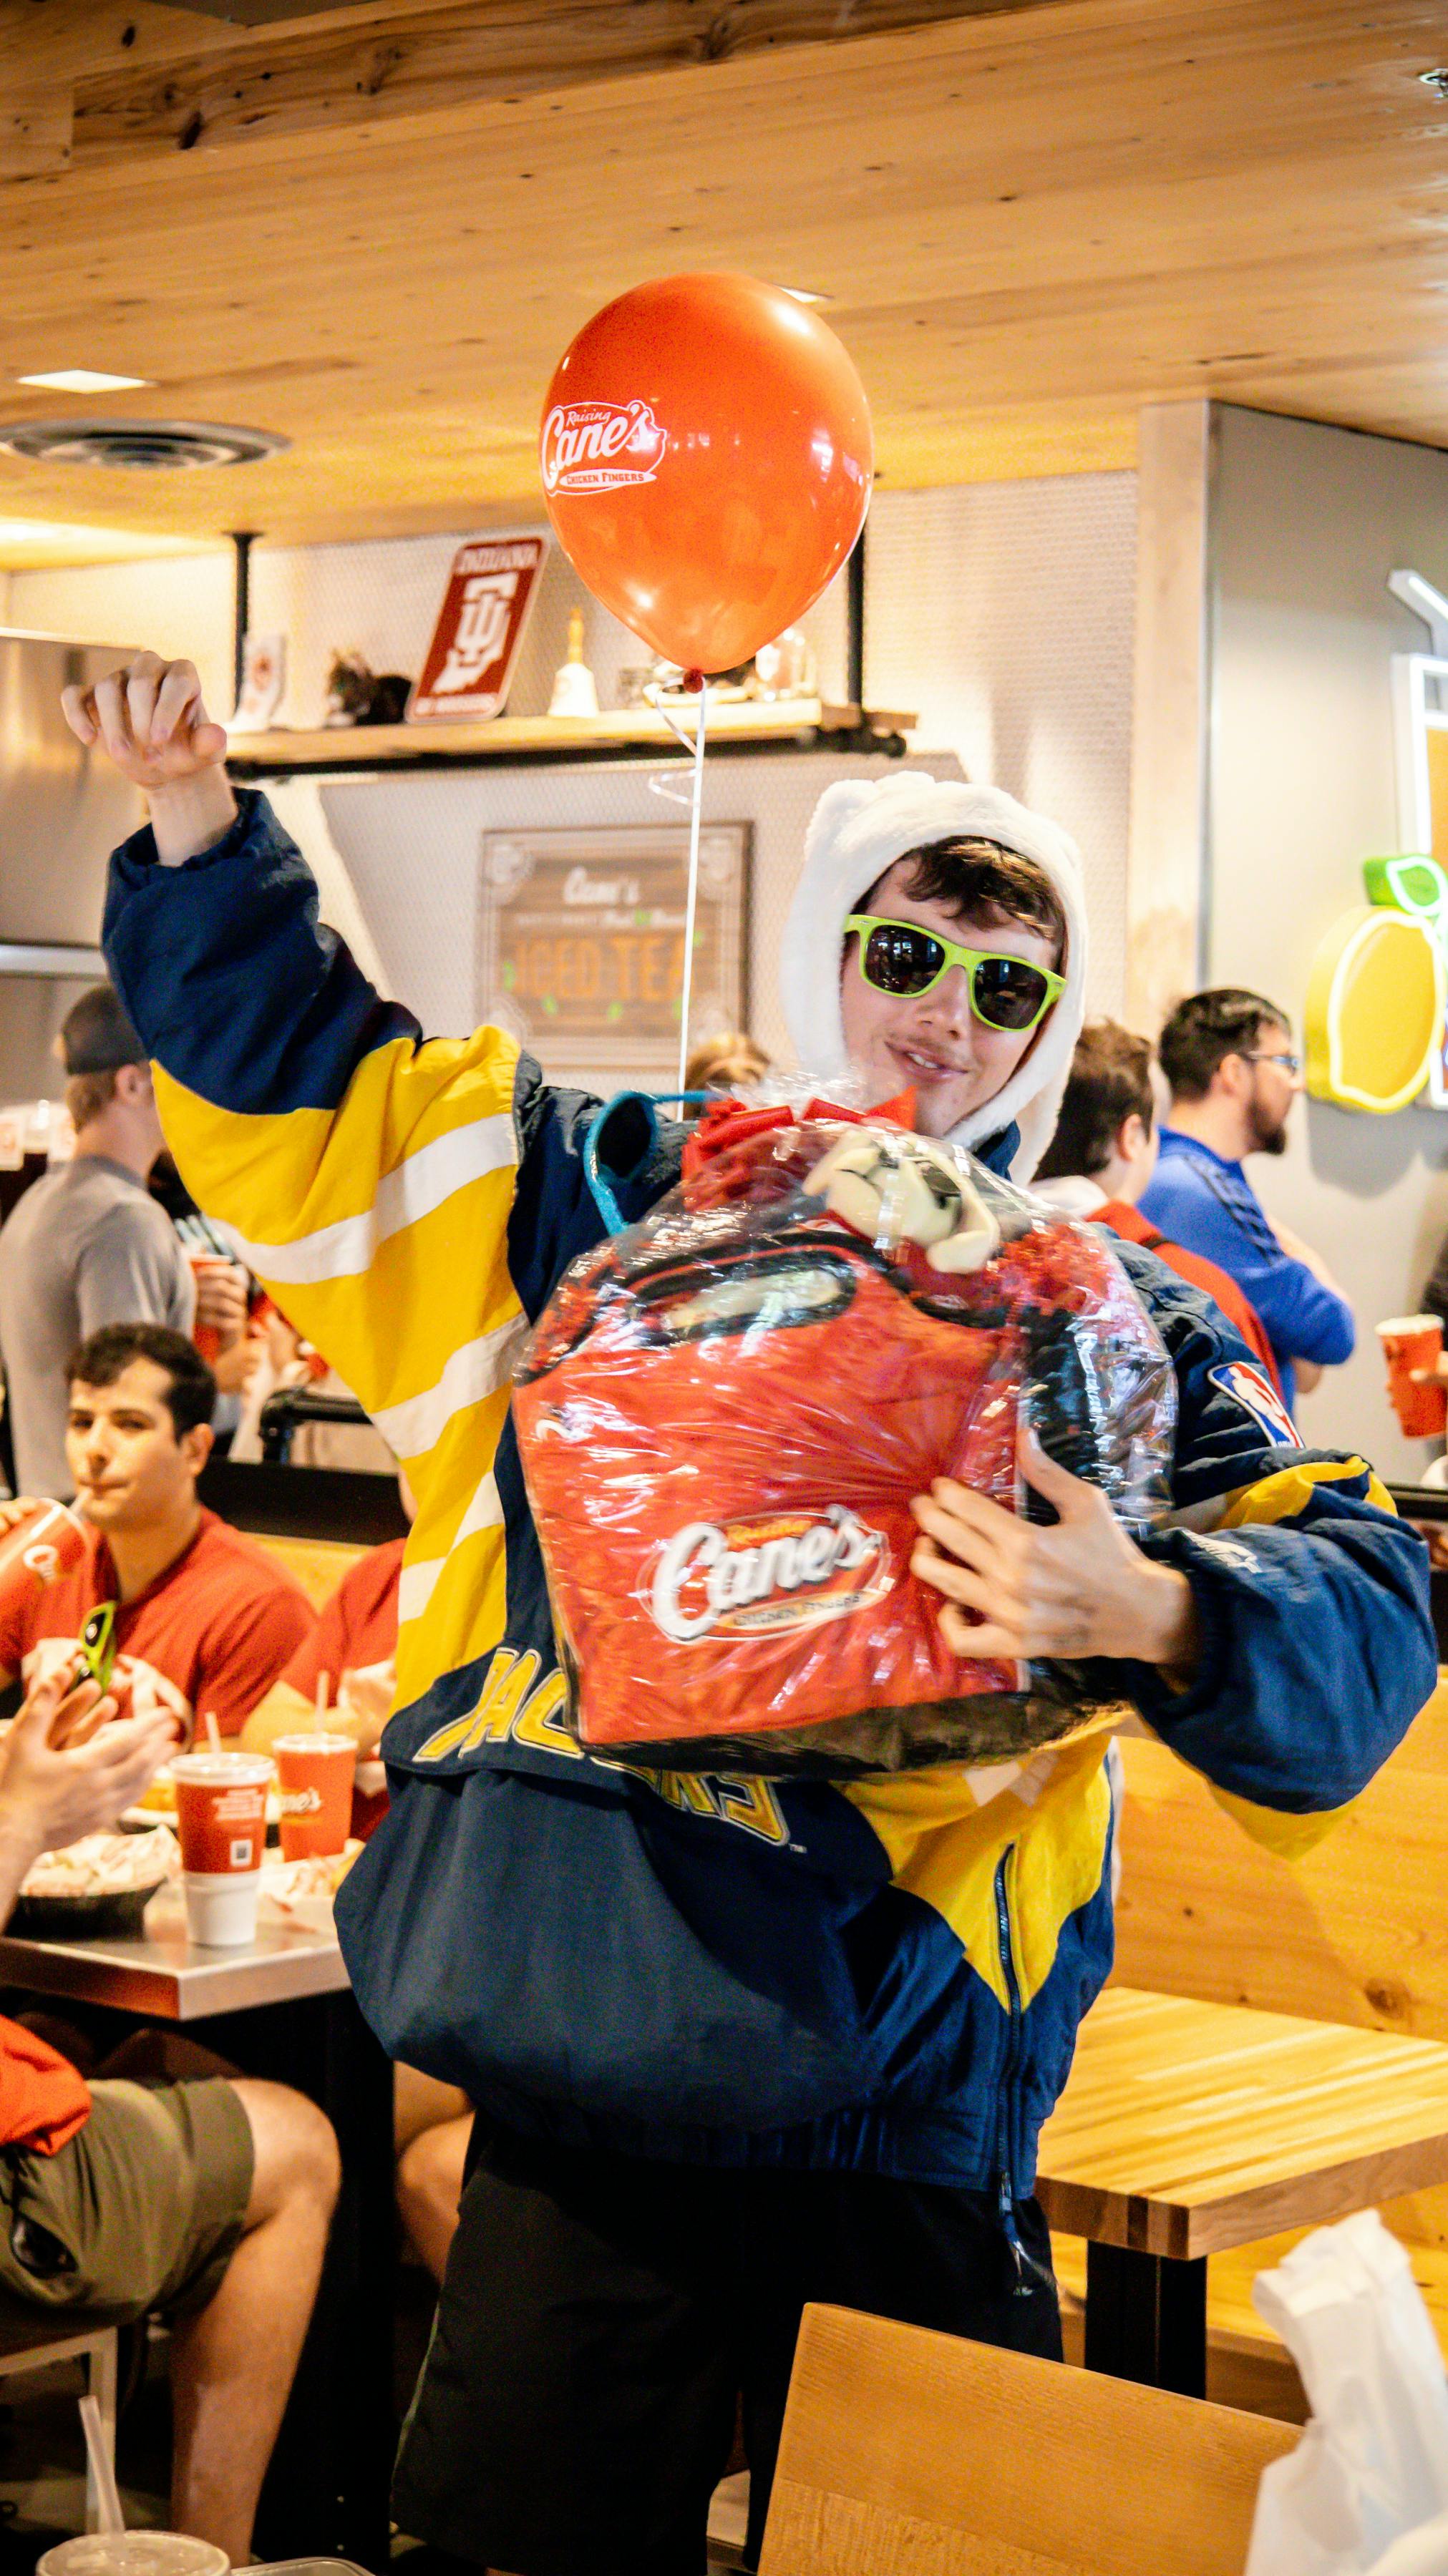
(885, 1975)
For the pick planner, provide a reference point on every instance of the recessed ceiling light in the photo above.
(1436, 80)
(84, 380)
(53, 541)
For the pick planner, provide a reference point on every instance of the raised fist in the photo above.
(150, 717)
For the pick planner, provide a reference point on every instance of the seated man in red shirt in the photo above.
(353, 1647)
(198, 1616)
(1102, 1157)
(207, 2200)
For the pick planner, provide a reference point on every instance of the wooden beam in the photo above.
(384, 63)
(1167, 846)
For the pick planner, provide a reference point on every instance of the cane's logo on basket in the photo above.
(783, 1570)
(596, 446)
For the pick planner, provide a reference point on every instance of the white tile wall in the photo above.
(1003, 612)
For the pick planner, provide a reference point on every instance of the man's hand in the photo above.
(1082, 1588)
(151, 719)
(236, 1366)
(221, 1302)
(69, 1767)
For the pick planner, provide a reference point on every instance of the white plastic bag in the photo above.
(1366, 2491)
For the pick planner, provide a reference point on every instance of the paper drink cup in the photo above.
(1415, 1342)
(315, 1772)
(221, 1825)
(47, 1543)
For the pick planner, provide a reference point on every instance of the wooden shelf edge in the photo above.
(804, 725)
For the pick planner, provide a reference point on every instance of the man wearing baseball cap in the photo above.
(88, 1245)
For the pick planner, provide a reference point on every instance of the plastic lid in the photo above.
(134, 2553)
(232, 1770)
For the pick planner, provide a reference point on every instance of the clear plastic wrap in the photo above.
(724, 1414)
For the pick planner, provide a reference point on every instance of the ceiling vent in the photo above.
(147, 444)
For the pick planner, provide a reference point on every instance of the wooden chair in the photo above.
(914, 2454)
(1356, 1931)
(318, 1564)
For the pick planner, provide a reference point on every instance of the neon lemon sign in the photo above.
(1376, 996)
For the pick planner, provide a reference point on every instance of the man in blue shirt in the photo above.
(1234, 1075)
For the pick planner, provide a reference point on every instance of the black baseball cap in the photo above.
(96, 1036)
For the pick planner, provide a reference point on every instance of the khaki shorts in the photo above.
(147, 2202)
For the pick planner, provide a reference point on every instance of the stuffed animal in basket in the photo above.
(725, 1412)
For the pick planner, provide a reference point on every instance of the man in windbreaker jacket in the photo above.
(734, 2042)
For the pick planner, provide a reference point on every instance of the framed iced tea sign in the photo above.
(583, 946)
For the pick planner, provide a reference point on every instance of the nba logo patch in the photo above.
(1253, 1389)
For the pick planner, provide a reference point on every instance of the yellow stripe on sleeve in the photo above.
(1283, 1496)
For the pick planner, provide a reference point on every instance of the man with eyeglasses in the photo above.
(736, 2042)
(1234, 1075)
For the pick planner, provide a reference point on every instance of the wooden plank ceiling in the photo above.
(375, 228)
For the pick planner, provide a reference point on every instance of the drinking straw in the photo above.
(213, 1731)
(112, 2518)
(320, 1702)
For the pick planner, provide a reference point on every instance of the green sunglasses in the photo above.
(901, 958)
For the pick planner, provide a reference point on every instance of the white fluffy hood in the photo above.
(859, 828)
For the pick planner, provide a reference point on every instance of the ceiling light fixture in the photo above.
(84, 380)
(55, 541)
(807, 295)
(1436, 81)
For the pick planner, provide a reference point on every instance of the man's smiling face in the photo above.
(933, 1043)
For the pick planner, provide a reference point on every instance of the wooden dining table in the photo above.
(1188, 2128)
(282, 2008)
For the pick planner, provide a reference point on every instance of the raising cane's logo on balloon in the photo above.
(758, 417)
(598, 446)
(782, 1571)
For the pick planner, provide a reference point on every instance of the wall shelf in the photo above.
(638, 734)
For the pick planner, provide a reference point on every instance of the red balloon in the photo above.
(707, 461)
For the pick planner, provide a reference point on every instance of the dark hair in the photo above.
(980, 880)
(1208, 1027)
(96, 1036)
(191, 1396)
(1110, 1080)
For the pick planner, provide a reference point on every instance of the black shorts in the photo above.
(602, 2318)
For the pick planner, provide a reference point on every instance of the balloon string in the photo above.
(693, 902)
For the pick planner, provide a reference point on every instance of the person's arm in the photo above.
(282, 1712)
(1282, 1645)
(127, 1271)
(1316, 1645)
(368, 1176)
(50, 1796)
(1305, 1316)
(1296, 1250)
